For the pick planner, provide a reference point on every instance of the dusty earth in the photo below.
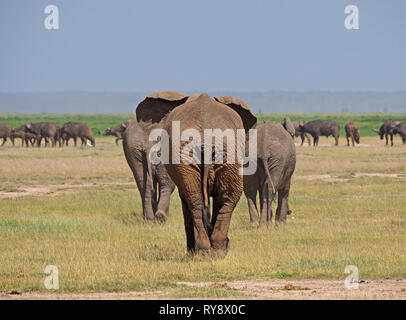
(274, 289)
(67, 188)
(54, 189)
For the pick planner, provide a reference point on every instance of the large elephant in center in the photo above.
(276, 161)
(199, 179)
(153, 182)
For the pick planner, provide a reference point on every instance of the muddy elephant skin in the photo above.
(276, 163)
(5, 132)
(317, 128)
(153, 182)
(198, 182)
(351, 131)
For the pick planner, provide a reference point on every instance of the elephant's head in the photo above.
(288, 125)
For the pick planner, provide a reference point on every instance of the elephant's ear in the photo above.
(248, 117)
(288, 125)
(155, 107)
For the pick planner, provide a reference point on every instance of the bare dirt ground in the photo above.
(336, 178)
(274, 289)
(54, 189)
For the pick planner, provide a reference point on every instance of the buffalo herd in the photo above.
(32, 134)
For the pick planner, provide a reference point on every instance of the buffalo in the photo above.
(317, 128)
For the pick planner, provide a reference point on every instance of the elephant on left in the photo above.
(5, 132)
(153, 181)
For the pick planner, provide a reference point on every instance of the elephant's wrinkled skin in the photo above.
(197, 182)
(387, 129)
(77, 130)
(44, 130)
(152, 180)
(317, 128)
(276, 163)
(351, 131)
(117, 132)
(400, 129)
(5, 132)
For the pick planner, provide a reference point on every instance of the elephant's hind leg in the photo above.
(225, 199)
(188, 221)
(188, 180)
(283, 207)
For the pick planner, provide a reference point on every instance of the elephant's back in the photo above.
(203, 112)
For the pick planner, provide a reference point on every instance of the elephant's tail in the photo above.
(268, 177)
(206, 208)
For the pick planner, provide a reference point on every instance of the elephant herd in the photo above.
(209, 183)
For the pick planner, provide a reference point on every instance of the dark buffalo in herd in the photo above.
(351, 131)
(317, 128)
(33, 133)
(117, 132)
(386, 130)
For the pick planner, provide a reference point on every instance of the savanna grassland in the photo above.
(78, 209)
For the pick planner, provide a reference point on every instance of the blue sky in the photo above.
(189, 45)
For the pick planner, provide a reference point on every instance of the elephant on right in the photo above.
(276, 161)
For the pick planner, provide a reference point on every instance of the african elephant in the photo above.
(401, 130)
(151, 178)
(298, 132)
(43, 130)
(276, 161)
(196, 177)
(387, 129)
(117, 131)
(5, 132)
(351, 131)
(317, 128)
(77, 130)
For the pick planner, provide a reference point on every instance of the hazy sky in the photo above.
(210, 45)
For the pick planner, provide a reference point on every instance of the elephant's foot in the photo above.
(161, 216)
(254, 223)
(220, 246)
